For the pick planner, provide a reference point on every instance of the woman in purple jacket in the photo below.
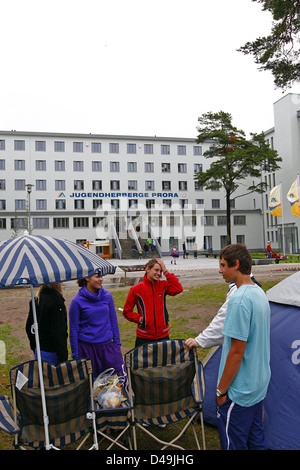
(93, 327)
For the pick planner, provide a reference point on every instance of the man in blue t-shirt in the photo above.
(244, 371)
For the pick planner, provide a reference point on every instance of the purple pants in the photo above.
(103, 356)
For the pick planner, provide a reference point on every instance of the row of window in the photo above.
(60, 165)
(96, 147)
(64, 222)
(78, 185)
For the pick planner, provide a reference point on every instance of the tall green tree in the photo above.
(234, 158)
(279, 52)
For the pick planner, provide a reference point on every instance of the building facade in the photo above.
(104, 189)
(283, 232)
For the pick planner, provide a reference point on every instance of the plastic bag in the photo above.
(107, 389)
(103, 379)
(110, 396)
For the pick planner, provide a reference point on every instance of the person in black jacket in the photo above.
(52, 324)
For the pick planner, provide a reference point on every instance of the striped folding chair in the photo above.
(68, 397)
(166, 385)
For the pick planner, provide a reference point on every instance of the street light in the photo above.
(29, 189)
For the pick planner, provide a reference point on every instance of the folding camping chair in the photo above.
(166, 385)
(68, 397)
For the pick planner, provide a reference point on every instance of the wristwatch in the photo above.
(219, 394)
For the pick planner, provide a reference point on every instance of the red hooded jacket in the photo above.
(150, 299)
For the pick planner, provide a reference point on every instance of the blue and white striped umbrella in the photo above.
(37, 260)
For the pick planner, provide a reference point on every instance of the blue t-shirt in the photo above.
(248, 319)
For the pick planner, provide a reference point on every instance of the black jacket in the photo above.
(52, 323)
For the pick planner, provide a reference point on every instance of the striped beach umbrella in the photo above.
(38, 259)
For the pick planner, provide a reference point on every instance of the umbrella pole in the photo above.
(39, 359)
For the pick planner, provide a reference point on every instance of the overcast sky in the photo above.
(131, 67)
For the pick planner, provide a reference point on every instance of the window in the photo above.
(182, 185)
(18, 223)
(197, 150)
(148, 148)
(40, 185)
(40, 146)
(215, 203)
(42, 222)
(19, 185)
(166, 185)
(2, 164)
(132, 185)
(132, 167)
(19, 144)
(20, 165)
(150, 203)
(96, 147)
(240, 239)
(208, 220)
(79, 204)
(60, 185)
(221, 220)
(60, 222)
(239, 220)
(96, 166)
(115, 203)
(20, 204)
(182, 168)
(149, 185)
(198, 167)
(181, 150)
(197, 186)
(113, 148)
(77, 146)
(132, 203)
(115, 184)
(97, 184)
(97, 203)
(165, 167)
(131, 148)
(2, 184)
(41, 204)
(2, 204)
(60, 204)
(40, 165)
(199, 203)
(165, 149)
(2, 224)
(2, 144)
(167, 202)
(78, 185)
(149, 167)
(60, 165)
(114, 166)
(78, 166)
(59, 146)
(183, 203)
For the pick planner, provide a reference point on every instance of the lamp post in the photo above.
(29, 189)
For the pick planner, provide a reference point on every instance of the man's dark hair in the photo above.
(237, 251)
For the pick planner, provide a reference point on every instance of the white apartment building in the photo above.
(107, 188)
(285, 138)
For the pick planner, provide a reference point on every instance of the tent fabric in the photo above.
(41, 260)
(286, 292)
(282, 403)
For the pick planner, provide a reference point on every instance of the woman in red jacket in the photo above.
(149, 296)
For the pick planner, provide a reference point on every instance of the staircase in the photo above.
(126, 244)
